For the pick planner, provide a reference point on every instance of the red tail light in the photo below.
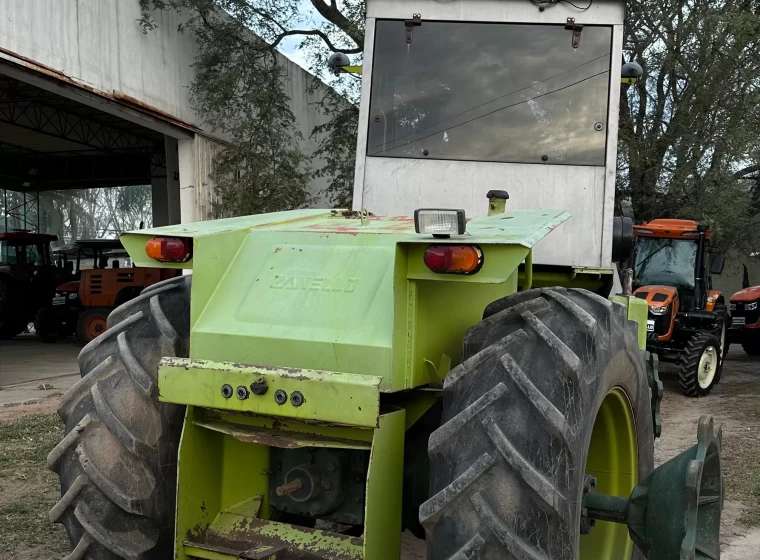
(454, 259)
(169, 249)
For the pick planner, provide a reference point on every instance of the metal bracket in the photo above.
(410, 24)
(265, 552)
(576, 29)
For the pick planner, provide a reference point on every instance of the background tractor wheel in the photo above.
(10, 324)
(701, 365)
(92, 323)
(117, 461)
(553, 387)
(722, 331)
(47, 328)
(751, 349)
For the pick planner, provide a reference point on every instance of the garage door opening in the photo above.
(72, 178)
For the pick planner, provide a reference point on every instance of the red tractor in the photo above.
(745, 317)
(28, 278)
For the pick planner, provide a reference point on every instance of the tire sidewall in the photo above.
(621, 372)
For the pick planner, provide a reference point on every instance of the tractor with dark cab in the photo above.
(28, 278)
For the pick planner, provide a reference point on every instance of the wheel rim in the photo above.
(613, 460)
(95, 327)
(708, 365)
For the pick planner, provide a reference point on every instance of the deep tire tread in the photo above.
(120, 440)
(688, 374)
(515, 492)
(516, 546)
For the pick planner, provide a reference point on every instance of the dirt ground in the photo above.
(734, 404)
(29, 430)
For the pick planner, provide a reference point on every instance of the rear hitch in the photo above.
(675, 511)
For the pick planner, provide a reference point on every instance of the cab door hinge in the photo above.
(410, 24)
(577, 29)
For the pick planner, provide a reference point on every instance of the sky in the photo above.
(289, 45)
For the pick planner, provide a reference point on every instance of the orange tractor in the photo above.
(102, 280)
(688, 320)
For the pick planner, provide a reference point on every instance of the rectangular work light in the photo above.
(439, 222)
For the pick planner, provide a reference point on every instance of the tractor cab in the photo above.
(27, 277)
(103, 278)
(460, 99)
(673, 264)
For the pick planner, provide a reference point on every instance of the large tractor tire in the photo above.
(701, 365)
(117, 461)
(553, 387)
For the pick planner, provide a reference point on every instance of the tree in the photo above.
(689, 141)
(238, 89)
(689, 133)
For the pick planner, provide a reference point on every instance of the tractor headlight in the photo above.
(732, 306)
(439, 222)
(751, 306)
(658, 310)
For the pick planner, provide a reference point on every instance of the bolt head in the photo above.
(296, 398)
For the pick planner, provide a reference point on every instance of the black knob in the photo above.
(227, 391)
(497, 194)
(259, 387)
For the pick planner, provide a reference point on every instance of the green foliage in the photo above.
(689, 137)
(337, 148)
(238, 89)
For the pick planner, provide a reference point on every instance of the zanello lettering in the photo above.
(315, 283)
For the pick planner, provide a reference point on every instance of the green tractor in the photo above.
(325, 380)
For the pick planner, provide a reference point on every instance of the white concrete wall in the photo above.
(99, 45)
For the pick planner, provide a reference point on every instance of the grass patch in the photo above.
(741, 448)
(28, 490)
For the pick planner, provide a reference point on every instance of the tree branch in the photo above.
(320, 34)
(334, 16)
(747, 170)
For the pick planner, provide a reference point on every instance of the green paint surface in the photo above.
(638, 311)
